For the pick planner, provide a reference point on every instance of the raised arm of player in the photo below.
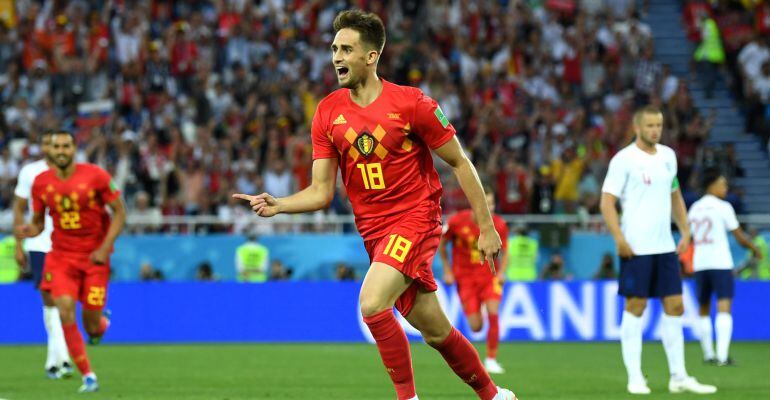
(679, 213)
(489, 240)
(740, 236)
(610, 214)
(314, 197)
(117, 222)
(19, 208)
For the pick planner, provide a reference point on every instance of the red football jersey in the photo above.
(463, 233)
(384, 153)
(76, 206)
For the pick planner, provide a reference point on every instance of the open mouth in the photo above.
(342, 72)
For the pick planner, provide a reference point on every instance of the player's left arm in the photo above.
(679, 213)
(118, 221)
(489, 241)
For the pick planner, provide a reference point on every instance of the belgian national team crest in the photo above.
(365, 144)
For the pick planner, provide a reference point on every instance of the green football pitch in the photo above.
(353, 371)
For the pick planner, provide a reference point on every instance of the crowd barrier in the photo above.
(165, 312)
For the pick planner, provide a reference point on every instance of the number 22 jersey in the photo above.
(384, 153)
(76, 206)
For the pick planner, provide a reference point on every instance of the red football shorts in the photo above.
(73, 274)
(410, 250)
(474, 291)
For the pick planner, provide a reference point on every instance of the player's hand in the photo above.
(756, 252)
(100, 256)
(449, 278)
(624, 249)
(501, 277)
(21, 258)
(489, 247)
(684, 243)
(25, 231)
(263, 204)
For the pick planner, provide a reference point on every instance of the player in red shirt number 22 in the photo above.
(381, 135)
(78, 266)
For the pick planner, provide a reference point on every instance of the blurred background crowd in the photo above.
(186, 102)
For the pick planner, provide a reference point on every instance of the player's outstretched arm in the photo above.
(489, 240)
(679, 213)
(314, 197)
(117, 222)
(610, 214)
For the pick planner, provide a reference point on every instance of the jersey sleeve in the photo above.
(430, 123)
(616, 177)
(675, 181)
(322, 142)
(731, 221)
(24, 184)
(106, 187)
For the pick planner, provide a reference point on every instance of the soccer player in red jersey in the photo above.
(381, 136)
(77, 268)
(476, 285)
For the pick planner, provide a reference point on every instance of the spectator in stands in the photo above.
(606, 268)
(149, 216)
(345, 272)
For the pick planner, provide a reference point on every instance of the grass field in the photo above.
(351, 371)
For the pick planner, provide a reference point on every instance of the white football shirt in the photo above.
(644, 182)
(710, 220)
(23, 189)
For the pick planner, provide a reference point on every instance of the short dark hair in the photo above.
(367, 24)
(61, 132)
(709, 176)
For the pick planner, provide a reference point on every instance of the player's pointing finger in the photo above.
(243, 196)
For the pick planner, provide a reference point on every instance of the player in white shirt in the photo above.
(32, 252)
(643, 177)
(710, 220)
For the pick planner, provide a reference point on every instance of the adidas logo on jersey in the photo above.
(340, 120)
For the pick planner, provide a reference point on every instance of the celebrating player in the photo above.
(475, 284)
(643, 177)
(381, 136)
(710, 219)
(57, 364)
(77, 268)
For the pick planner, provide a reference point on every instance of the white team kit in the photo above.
(710, 220)
(42, 242)
(640, 180)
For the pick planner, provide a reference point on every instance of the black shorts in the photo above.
(36, 263)
(714, 281)
(653, 275)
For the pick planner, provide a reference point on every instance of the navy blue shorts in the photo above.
(653, 275)
(36, 263)
(714, 281)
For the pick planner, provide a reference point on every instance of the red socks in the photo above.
(77, 347)
(394, 351)
(464, 361)
(493, 335)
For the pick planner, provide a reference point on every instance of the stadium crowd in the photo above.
(186, 102)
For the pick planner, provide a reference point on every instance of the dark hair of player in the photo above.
(367, 24)
(710, 175)
(60, 132)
